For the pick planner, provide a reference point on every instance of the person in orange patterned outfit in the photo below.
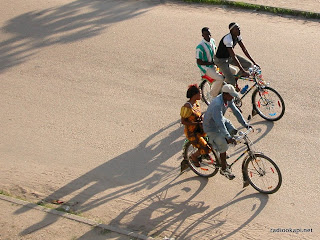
(191, 118)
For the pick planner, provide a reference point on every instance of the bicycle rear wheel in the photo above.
(263, 174)
(205, 87)
(268, 103)
(208, 163)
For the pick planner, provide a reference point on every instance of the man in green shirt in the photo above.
(205, 52)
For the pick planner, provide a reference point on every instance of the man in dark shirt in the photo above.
(226, 56)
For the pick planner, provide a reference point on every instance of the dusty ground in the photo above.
(21, 218)
(90, 99)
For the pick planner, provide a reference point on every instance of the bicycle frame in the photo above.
(256, 79)
(242, 154)
(248, 90)
(248, 151)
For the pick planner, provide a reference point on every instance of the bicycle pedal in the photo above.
(184, 166)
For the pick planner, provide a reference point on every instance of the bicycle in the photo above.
(266, 101)
(258, 170)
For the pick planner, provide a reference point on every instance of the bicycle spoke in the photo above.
(205, 91)
(268, 103)
(263, 174)
(207, 167)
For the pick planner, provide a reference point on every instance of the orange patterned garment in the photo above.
(194, 133)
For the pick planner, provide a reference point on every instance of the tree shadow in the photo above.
(67, 23)
(135, 170)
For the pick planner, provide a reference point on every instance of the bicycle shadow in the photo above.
(207, 230)
(176, 205)
(135, 170)
(164, 212)
(75, 21)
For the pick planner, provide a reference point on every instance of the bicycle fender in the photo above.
(244, 162)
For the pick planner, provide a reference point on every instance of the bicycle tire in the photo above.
(268, 103)
(205, 88)
(208, 167)
(263, 168)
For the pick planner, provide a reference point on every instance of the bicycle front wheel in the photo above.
(208, 163)
(263, 174)
(268, 103)
(205, 87)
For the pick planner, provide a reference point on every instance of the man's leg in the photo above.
(231, 129)
(224, 170)
(223, 64)
(216, 139)
(217, 84)
(245, 63)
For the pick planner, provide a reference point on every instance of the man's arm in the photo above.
(234, 57)
(238, 114)
(245, 51)
(200, 62)
(217, 116)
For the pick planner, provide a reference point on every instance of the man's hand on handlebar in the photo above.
(249, 127)
(231, 140)
(255, 64)
(244, 73)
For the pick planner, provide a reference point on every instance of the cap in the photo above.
(228, 88)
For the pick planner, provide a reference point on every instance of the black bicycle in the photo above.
(258, 170)
(266, 101)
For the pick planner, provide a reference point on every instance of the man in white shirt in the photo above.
(226, 56)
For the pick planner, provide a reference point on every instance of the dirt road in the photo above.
(90, 100)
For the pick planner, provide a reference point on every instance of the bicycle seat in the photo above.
(209, 79)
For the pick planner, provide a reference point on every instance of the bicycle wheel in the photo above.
(208, 163)
(268, 103)
(205, 87)
(263, 174)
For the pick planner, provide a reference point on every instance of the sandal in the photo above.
(195, 162)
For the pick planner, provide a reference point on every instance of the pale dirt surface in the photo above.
(304, 5)
(90, 99)
(17, 226)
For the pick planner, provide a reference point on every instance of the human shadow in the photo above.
(174, 211)
(75, 21)
(137, 169)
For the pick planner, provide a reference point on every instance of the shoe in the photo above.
(237, 88)
(227, 173)
(208, 157)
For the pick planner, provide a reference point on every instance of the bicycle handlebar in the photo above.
(242, 135)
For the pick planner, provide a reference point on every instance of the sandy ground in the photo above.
(90, 99)
(21, 218)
